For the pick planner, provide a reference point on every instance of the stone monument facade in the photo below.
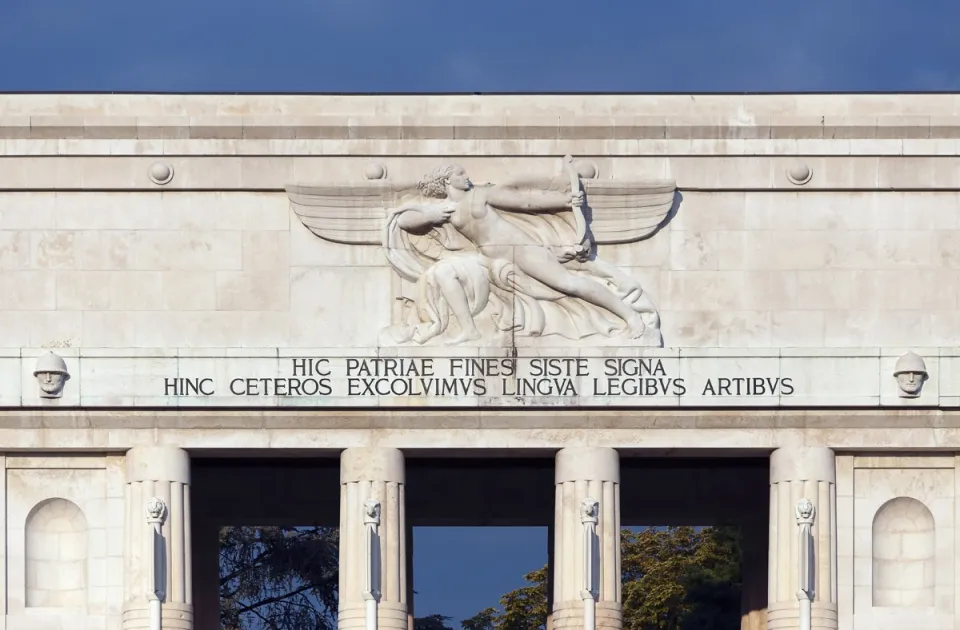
(587, 280)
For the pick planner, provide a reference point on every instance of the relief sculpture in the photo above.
(494, 262)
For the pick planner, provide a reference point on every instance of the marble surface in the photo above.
(471, 377)
(162, 221)
(149, 241)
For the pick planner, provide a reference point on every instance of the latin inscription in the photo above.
(630, 377)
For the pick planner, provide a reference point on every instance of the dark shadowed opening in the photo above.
(265, 541)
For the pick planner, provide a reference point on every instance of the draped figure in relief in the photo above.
(516, 259)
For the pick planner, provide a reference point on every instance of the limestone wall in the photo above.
(816, 237)
(95, 254)
(896, 541)
(63, 536)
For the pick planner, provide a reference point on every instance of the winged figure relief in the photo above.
(494, 262)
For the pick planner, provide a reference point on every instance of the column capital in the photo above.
(803, 463)
(371, 464)
(157, 463)
(587, 463)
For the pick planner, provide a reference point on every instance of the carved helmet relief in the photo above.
(488, 264)
(51, 374)
(910, 372)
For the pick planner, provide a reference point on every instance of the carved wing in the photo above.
(623, 212)
(353, 214)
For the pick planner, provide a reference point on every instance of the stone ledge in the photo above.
(735, 107)
(703, 172)
(686, 432)
(493, 419)
(527, 419)
(476, 128)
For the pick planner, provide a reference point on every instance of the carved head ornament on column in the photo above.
(371, 511)
(806, 512)
(51, 374)
(910, 372)
(156, 510)
(589, 511)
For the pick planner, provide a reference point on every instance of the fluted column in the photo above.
(797, 473)
(373, 473)
(162, 472)
(586, 473)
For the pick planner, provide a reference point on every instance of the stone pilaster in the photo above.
(582, 473)
(797, 473)
(373, 473)
(162, 472)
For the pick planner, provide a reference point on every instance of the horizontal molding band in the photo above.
(468, 128)
(505, 431)
(738, 106)
(127, 147)
(252, 173)
(572, 419)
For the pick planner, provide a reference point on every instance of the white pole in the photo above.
(589, 510)
(156, 592)
(806, 513)
(371, 593)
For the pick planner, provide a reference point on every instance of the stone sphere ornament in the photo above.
(586, 170)
(161, 173)
(910, 372)
(51, 374)
(375, 170)
(799, 173)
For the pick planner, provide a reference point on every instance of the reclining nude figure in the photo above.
(515, 259)
(473, 213)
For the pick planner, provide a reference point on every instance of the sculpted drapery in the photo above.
(492, 262)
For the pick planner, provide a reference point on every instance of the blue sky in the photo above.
(489, 46)
(494, 45)
(459, 571)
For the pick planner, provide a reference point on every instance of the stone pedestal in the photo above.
(373, 473)
(583, 473)
(162, 472)
(797, 473)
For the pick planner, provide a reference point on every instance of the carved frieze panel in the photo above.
(501, 264)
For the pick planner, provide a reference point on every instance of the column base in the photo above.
(568, 615)
(173, 616)
(786, 616)
(390, 616)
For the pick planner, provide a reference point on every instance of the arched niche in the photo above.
(56, 558)
(904, 554)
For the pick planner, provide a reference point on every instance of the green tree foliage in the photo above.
(278, 578)
(713, 583)
(522, 609)
(680, 578)
(676, 578)
(431, 622)
(483, 620)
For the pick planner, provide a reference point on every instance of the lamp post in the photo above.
(156, 514)
(371, 593)
(806, 514)
(589, 510)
